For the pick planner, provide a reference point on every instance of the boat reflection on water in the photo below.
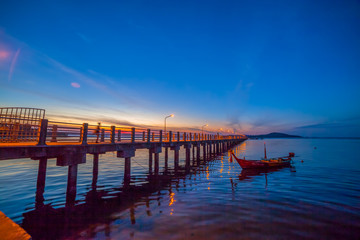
(247, 174)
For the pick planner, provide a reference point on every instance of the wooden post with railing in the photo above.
(143, 136)
(119, 136)
(178, 136)
(112, 136)
(132, 135)
(148, 135)
(160, 140)
(42, 132)
(153, 137)
(102, 139)
(84, 133)
(170, 136)
(54, 133)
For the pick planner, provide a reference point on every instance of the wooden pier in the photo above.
(69, 143)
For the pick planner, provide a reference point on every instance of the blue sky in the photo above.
(244, 66)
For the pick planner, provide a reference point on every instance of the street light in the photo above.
(171, 115)
(202, 128)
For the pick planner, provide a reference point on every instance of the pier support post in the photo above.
(95, 170)
(198, 152)
(166, 158)
(176, 159)
(127, 154)
(187, 157)
(127, 170)
(150, 160)
(156, 167)
(204, 151)
(71, 185)
(40, 185)
(156, 150)
(176, 156)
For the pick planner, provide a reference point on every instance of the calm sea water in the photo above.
(317, 198)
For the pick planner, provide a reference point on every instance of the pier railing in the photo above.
(20, 124)
(53, 132)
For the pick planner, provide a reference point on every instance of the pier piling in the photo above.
(127, 169)
(95, 170)
(40, 185)
(150, 160)
(71, 185)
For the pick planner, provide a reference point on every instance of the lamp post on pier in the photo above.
(171, 115)
(202, 128)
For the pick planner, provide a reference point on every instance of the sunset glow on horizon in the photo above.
(240, 67)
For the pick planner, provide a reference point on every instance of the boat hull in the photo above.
(248, 164)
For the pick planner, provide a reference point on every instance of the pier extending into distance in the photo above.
(69, 143)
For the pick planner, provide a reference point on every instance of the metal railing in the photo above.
(20, 124)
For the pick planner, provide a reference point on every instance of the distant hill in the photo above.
(274, 135)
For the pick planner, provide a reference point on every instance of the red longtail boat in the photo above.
(265, 162)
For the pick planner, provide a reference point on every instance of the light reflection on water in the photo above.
(317, 199)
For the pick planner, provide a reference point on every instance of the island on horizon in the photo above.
(273, 135)
(284, 135)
